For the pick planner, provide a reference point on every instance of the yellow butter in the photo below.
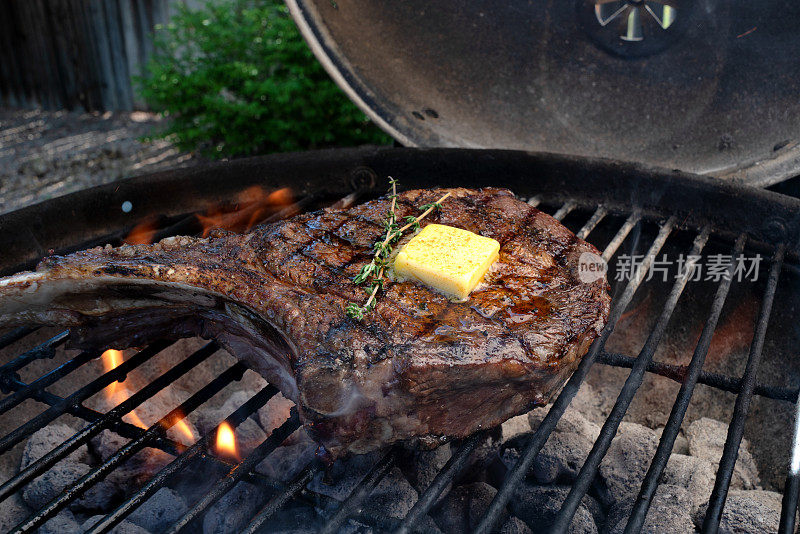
(448, 259)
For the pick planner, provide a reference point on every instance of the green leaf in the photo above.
(234, 77)
(355, 311)
(364, 274)
(413, 222)
(435, 205)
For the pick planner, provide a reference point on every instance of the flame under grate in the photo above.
(218, 447)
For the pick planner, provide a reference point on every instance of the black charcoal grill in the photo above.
(585, 194)
(576, 78)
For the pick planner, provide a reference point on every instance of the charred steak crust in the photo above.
(418, 367)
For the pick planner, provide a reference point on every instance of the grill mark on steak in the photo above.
(418, 368)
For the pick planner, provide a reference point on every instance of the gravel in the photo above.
(160, 511)
(626, 463)
(63, 523)
(124, 527)
(44, 154)
(538, 507)
(562, 456)
(48, 438)
(695, 474)
(287, 461)
(747, 512)
(52, 483)
(669, 513)
(514, 525)
(463, 507)
(420, 466)
(707, 439)
(343, 476)
(392, 497)
(234, 509)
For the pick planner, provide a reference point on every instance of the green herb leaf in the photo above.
(375, 269)
(436, 206)
(413, 222)
(364, 274)
(354, 311)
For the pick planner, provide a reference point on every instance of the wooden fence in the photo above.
(59, 54)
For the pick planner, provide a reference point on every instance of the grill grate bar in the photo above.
(45, 350)
(350, 507)
(611, 249)
(444, 477)
(95, 427)
(565, 210)
(237, 473)
(160, 479)
(569, 390)
(26, 391)
(22, 432)
(673, 425)
(122, 428)
(736, 428)
(278, 501)
(359, 493)
(598, 215)
(592, 463)
(15, 335)
(791, 489)
(157, 429)
(678, 373)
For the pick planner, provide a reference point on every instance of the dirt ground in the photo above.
(44, 154)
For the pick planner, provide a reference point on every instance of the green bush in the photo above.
(236, 78)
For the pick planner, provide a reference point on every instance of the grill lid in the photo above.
(703, 86)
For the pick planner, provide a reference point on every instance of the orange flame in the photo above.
(143, 233)
(254, 205)
(226, 441)
(133, 419)
(111, 360)
(118, 393)
(182, 428)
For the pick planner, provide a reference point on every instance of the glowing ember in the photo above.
(735, 332)
(226, 441)
(143, 233)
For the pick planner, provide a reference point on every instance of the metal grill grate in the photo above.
(689, 376)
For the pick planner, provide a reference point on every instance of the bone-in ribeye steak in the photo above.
(419, 367)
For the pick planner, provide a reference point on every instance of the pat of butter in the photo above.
(448, 259)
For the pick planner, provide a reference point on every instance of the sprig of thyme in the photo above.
(374, 271)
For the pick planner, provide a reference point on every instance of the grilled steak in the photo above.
(419, 367)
